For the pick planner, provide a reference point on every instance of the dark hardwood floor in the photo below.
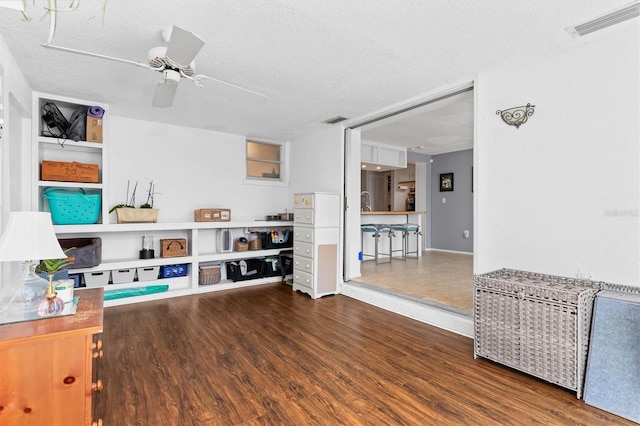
(268, 356)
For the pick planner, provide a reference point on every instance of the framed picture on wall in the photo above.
(446, 182)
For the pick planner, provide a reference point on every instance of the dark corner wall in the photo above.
(451, 212)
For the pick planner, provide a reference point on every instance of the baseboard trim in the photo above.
(470, 253)
(447, 318)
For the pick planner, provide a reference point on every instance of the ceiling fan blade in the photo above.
(165, 92)
(95, 55)
(233, 90)
(183, 46)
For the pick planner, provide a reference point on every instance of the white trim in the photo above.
(407, 104)
(470, 253)
(429, 314)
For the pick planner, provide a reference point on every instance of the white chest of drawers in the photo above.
(315, 245)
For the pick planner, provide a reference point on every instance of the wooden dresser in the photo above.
(48, 367)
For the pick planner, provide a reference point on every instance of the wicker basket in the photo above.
(209, 275)
(535, 323)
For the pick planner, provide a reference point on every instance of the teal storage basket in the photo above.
(73, 206)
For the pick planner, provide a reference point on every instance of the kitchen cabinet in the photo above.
(48, 147)
(315, 244)
(389, 156)
(49, 366)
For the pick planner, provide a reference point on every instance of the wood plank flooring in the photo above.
(441, 277)
(268, 356)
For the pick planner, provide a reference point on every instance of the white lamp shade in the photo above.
(29, 236)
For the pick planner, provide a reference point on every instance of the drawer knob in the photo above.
(68, 380)
(97, 386)
(98, 354)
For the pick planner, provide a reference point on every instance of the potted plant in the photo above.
(128, 213)
(52, 304)
(57, 267)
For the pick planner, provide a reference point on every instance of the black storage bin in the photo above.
(281, 239)
(279, 266)
(87, 252)
(255, 269)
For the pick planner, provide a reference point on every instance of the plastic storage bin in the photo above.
(73, 207)
(121, 276)
(96, 279)
(247, 269)
(172, 271)
(149, 273)
(277, 239)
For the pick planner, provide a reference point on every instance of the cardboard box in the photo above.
(61, 171)
(173, 247)
(203, 215)
(212, 215)
(94, 129)
(221, 215)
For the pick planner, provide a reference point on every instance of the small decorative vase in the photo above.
(50, 307)
(52, 304)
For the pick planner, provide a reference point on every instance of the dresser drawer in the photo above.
(303, 264)
(303, 201)
(304, 216)
(303, 249)
(302, 235)
(302, 278)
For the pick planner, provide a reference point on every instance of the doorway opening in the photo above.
(438, 136)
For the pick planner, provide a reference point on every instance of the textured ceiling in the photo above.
(313, 59)
(436, 128)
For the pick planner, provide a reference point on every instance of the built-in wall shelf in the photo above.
(121, 244)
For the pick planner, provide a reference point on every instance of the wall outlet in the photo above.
(465, 233)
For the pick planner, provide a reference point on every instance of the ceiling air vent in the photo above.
(614, 17)
(334, 120)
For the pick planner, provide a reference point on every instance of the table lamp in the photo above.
(29, 237)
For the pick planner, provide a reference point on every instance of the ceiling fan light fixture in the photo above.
(171, 76)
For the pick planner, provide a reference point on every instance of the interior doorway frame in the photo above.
(352, 184)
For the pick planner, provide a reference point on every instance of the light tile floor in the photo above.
(445, 278)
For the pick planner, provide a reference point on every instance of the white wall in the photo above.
(15, 144)
(14, 80)
(191, 168)
(317, 166)
(560, 195)
(316, 162)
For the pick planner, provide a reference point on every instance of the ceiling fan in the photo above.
(175, 62)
